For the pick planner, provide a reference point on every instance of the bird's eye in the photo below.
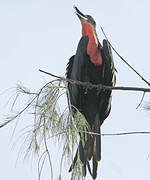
(91, 20)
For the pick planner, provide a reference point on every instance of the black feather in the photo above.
(94, 104)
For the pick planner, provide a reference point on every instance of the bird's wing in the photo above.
(69, 67)
(74, 70)
(108, 80)
(109, 69)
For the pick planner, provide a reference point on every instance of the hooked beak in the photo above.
(80, 15)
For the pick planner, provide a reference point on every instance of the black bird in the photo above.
(92, 63)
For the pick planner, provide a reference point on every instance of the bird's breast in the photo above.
(92, 49)
(94, 53)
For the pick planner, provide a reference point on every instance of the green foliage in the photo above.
(49, 123)
(77, 171)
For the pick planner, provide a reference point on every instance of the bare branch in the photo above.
(112, 134)
(51, 74)
(121, 133)
(126, 133)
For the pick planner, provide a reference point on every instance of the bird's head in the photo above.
(89, 29)
(87, 21)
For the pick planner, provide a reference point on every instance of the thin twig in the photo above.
(51, 74)
(40, 169)
(121, 133)
(24, 109)
(111, 134)
(126, 133)
(47, 151)
(125, 60)
(141, 101)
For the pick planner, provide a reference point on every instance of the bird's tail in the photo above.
(90, 150)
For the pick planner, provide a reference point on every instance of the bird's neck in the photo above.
(92, 48)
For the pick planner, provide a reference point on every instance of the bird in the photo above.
(93, 64)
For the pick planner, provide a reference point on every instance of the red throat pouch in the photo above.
(92, 48)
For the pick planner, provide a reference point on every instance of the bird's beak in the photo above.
(80, 15)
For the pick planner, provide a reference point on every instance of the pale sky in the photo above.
(44, 34)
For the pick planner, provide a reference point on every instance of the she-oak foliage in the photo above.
(49, 122)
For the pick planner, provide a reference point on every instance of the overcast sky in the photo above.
(44, 34)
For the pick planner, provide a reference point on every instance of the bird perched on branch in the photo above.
(92, 63)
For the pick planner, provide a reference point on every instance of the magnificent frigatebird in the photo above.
(92, 63)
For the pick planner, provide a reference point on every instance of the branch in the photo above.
(119, 134)
(111, 134)
(98, 86)
(126, 133)
(59, 77)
